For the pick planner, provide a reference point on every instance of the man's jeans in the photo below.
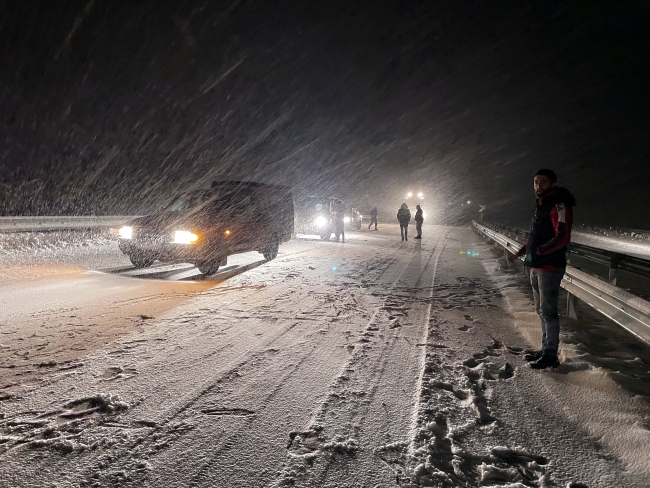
(546, 289)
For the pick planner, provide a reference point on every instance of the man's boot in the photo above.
(548, 360)
(532, 356)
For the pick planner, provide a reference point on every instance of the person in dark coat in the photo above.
(404, 217)
(373, 218)
(419, 218)
(338, 217)
(545, 254)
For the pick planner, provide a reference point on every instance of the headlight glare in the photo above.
(185, 237)
(320, 221)
(126, 232)
(346, 219)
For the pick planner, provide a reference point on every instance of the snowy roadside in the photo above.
(89, 249)
(370, 363)
(17, 244)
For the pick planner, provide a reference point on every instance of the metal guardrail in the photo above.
(48, 224)
(626, 309)
(638, 249)
(629, 247)
(616, 253)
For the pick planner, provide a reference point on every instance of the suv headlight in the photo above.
(185, 237)
(126, 232)
(320, 221)
(346, 219)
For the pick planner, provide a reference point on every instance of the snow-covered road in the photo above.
(372, 363)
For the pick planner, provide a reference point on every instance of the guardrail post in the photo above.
(613, 267)
(572, 306)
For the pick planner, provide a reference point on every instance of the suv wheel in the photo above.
(271, 250)
(326, 235)
(141, 260)
(208, 268)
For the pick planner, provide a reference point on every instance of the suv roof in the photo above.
(248, 185)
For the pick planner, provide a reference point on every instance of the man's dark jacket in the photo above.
(550, 230)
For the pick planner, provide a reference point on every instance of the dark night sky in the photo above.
(109, 105)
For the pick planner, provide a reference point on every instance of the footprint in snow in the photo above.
(506, 372)
(118, 372)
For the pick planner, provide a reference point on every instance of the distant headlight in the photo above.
(346, 219)
(320, 221)
(126, 232)
(185, 237)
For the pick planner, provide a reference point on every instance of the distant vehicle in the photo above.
(313, 216)
(204, 227)
(353, 219)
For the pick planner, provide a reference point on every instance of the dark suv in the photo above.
(205, 226)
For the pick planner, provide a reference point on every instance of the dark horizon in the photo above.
(110, 108)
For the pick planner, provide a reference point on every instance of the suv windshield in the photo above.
(223, 199)
(188, 201)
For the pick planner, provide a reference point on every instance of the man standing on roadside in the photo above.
(404, 217)
(419, 218)
(373, 218)
(545, 254)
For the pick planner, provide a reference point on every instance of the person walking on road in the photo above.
(373, 218)
(404, 217)
(338, 217)
(419, 218)
(545, 254)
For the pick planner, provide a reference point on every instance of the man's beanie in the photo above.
(549, 173)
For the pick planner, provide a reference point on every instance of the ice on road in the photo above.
(372, 363)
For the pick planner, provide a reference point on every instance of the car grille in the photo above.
(151, 238)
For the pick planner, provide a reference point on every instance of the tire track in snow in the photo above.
(265, 297)
(171, 419)
(318, 449)
(175, 427)
(204, 474)
(131, 432)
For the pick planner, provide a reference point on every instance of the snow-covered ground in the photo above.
(372, 363)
